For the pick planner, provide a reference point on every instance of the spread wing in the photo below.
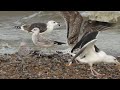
(73, 23)
(97, 26)
(86, 48)
(80, 42)
(87, 37)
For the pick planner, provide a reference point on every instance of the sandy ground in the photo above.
(51, 67)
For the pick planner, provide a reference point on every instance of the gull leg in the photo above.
(95, 73)
(98, 74)
(91, 69)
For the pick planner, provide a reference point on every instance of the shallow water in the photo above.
(109, 41)
(10, 37)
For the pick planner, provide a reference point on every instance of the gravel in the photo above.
(51, 67)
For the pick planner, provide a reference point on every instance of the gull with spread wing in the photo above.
(89, 53)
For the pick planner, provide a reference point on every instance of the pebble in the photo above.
(52, 66)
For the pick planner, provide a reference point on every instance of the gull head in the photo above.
(51, 24)
(35, 30)
(112, 59)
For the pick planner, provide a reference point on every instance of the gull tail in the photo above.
(59, 43)
(18, 27)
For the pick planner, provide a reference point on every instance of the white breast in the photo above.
(35, 39)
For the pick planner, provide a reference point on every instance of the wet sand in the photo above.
(51, 67)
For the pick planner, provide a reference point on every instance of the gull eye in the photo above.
(115, 59)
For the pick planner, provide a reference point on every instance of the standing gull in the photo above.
(49, 26)
(39, 40)
(89, 53)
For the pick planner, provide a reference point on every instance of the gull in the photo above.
(39, 39)
(23, 49)
(90, 54)
(44, 27)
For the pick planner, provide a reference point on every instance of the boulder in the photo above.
(102, 16)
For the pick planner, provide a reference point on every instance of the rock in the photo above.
(103, 16)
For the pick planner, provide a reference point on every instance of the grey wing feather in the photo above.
(80, 42)
(41, 38)
(86, 46)
(41, 26)
(97, 26)
(87, 37)
(44, 40)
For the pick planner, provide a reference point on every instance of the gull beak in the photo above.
(32, 31)
(59, 24)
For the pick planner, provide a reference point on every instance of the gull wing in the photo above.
(41, 26)
(91, 25)
(73, 21)
(59, 43)
(85, 48)
(87, 37)
(47, 42)
(80, 42)
(44, 42)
